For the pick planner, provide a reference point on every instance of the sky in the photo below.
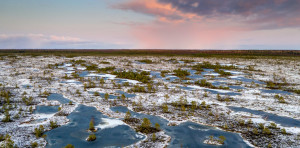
(150, 24)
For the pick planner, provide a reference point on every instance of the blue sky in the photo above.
(170, 24)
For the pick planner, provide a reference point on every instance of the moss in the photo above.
(142, 76)
(181, 73)
(92, 137)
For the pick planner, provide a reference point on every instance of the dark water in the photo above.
(194, 76)
(186, 88)
(102, 95)
(83, 73)
(155, 74)
(189, 134)
(45, 109)
(75, 132)
(58, 97)
(26, 86)
(120, 81)
(276, 91)
(170, 78)
(208, 70)
(236, 87)
(218, 83)
(40, 109)
(284, 121)
(243, 79)
(127, 95)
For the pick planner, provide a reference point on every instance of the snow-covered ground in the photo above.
(36, 72)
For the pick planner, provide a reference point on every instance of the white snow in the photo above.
(212, 74)
(109, 76)
(132, 81)
(44, 116)
(24, 81)
(69, 72)
(234, 72)
(81, 68)
(109, 123)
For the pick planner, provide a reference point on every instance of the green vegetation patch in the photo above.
(208, 65)
(139, 76)
(146, 61)
(181, 73)
(204, 83)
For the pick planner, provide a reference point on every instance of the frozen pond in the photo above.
(76, 132)
(189, 134)
(45, 109)
(276, 91)
(26, 86)
(236, 87)
(58, 97)
(243, 79)
(284, 121)
(127, 95)
(102, 95)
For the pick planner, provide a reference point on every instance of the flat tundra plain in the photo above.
(257, 98)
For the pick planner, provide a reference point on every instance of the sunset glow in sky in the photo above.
(155, 24)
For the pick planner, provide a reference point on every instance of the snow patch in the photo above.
(109, 123)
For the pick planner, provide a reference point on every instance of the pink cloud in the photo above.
(163, 11)
(258, 14)
(209, 24)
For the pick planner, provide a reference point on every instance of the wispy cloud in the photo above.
(257, 14)
(215, 23)
(35, 41)
(163, 11)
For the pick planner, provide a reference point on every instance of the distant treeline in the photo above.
(144, 52)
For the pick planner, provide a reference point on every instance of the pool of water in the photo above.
(284, 121)
(189, 134)
(208, 70)
(170, 78)
(236, 87)
(120, 81)
(45, 109)
(76, 132)
(26, 86)
(155, 74)
(83, 73)
(127, 95)
(186, 88)
(102, 95)
(58, 97)
(194, 76)
(243, 79)
(276, 91)
(218, 83)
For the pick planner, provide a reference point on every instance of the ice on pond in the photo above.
(114, 134)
